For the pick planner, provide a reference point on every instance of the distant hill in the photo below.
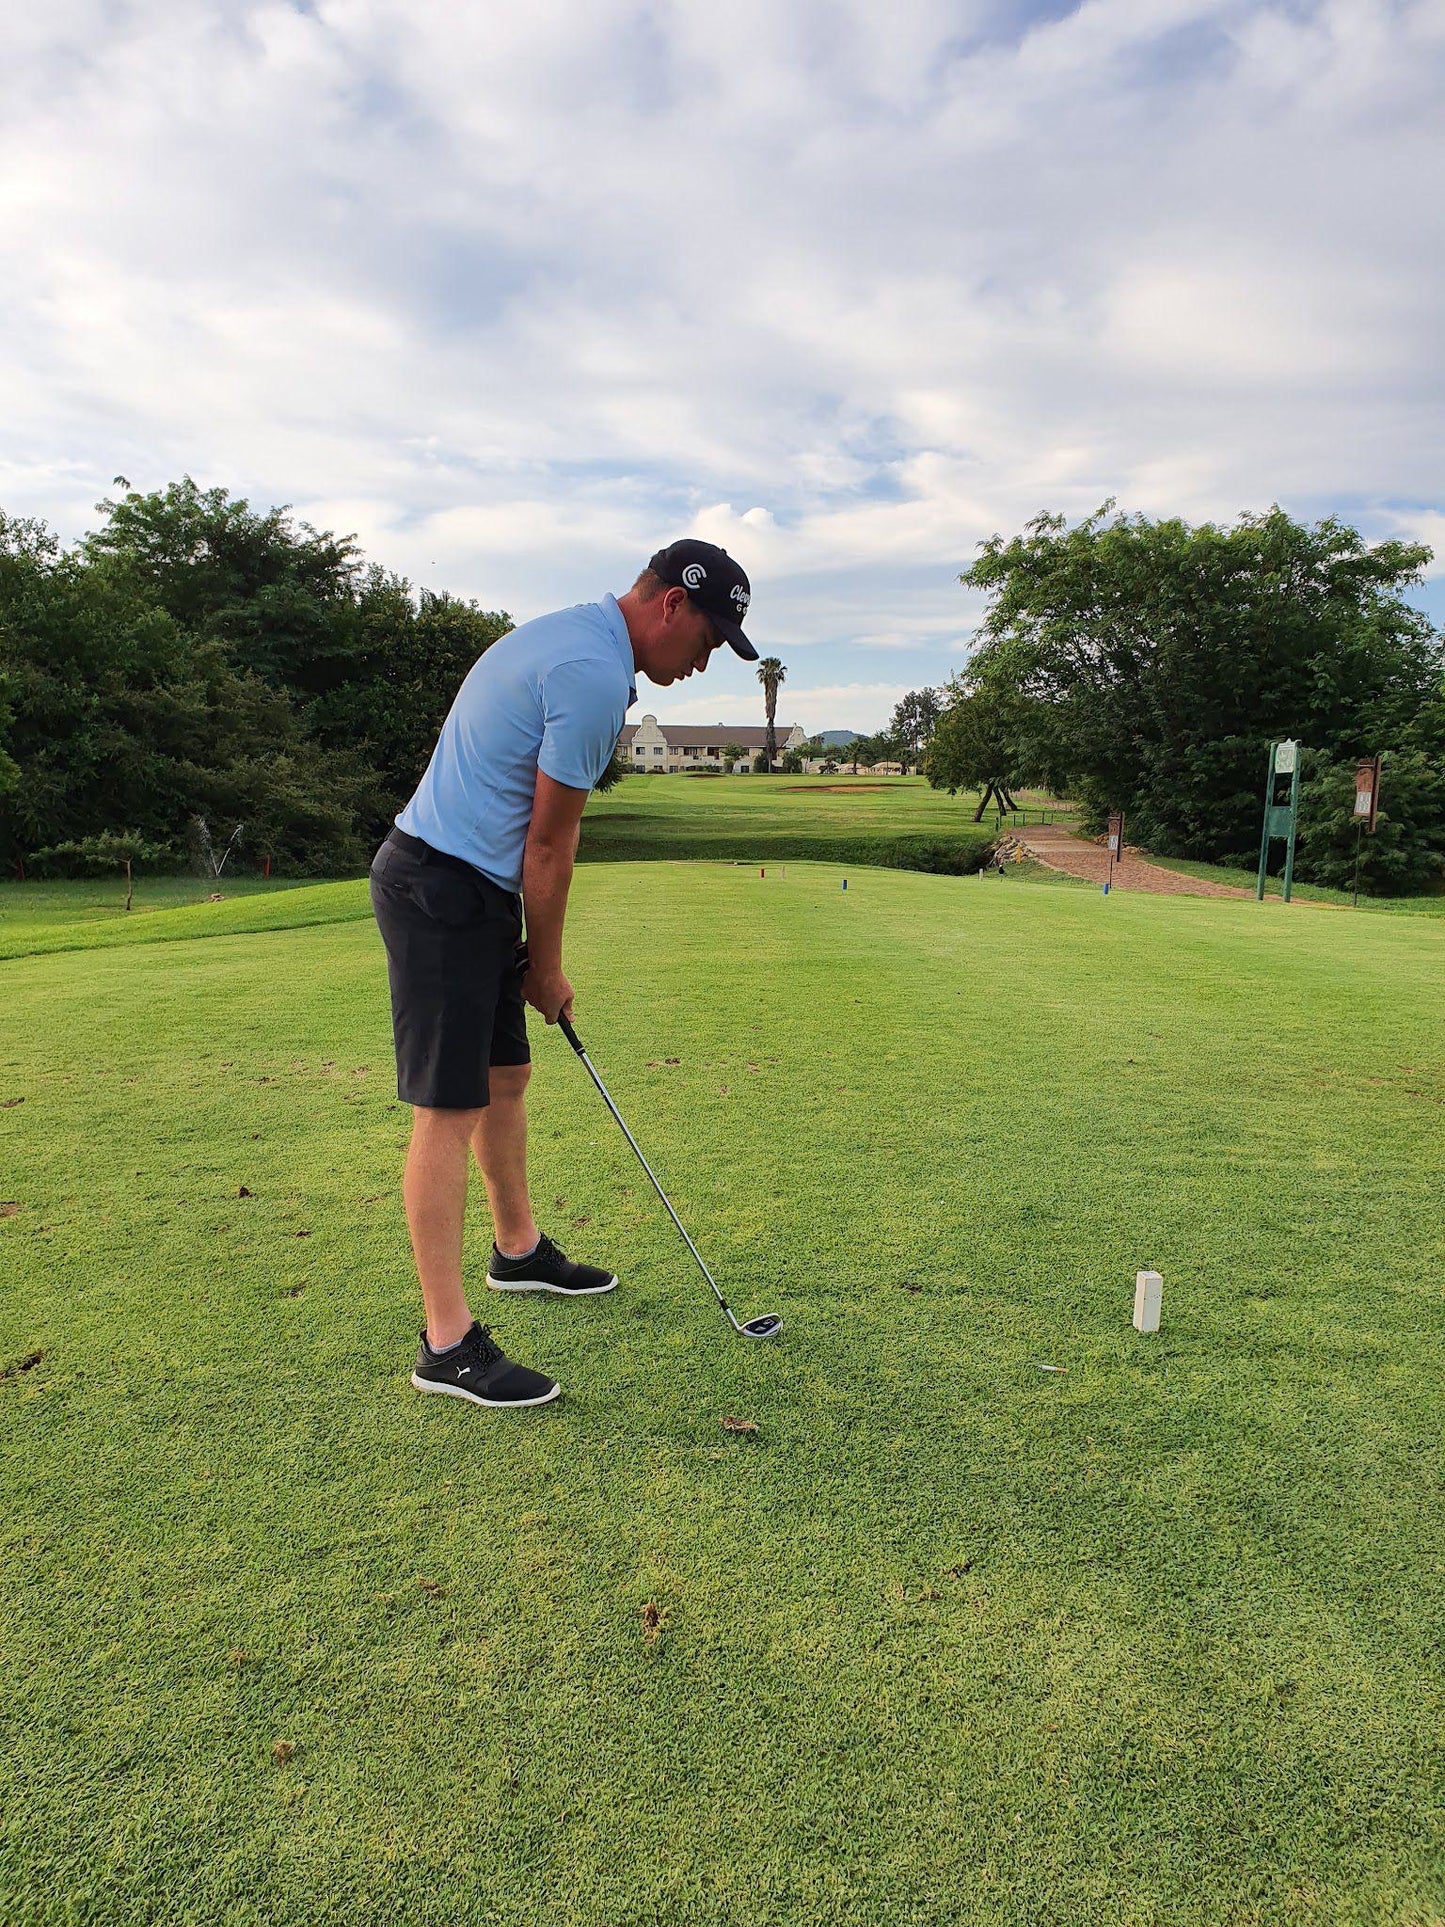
(838, 738)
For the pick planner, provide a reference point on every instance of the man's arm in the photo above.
(547, 860)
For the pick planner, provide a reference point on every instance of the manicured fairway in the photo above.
(846, 819)
(103, 924)
(44, 903)
(948, 1639)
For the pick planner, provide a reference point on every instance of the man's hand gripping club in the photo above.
(547, 860)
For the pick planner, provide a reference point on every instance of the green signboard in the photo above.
(1280, 819)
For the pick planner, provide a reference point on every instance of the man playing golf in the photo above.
(487, 843)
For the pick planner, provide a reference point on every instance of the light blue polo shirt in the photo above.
(551, 695)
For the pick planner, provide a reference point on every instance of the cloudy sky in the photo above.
(517, 293)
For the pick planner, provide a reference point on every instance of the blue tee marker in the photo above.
(845, 883)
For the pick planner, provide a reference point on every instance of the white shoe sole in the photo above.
(541, 1284)
(474, 1398)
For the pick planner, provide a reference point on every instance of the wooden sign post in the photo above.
(1116, 845)
(1367, 792)
(1367, 807)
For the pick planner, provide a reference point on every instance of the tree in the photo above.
(9, 768)
(195, 656)
(619, 766)
(96, 855)
(279, 596)
(914, 721)
(977, 743)
(1406, 851)
(369, 668)
(792, 763)
(1159, 661)
(732, 756)
(772, 675)
(868, 750)
(125, 722)
(409, 657)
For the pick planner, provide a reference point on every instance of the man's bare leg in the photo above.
(499, 1140)
(435, 1190)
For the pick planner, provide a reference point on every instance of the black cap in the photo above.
(714, 582)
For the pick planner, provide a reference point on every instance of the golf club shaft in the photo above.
(576, 1042)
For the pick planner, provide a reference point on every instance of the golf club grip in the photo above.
(524, 964)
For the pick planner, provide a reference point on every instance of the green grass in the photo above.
(898, 821)
(1430, 904)
(948, 1640)
(40, 903)
(72, 916)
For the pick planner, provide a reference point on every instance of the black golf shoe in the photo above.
(477, 1369)
(547, 1269)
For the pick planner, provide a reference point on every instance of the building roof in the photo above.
(713, 735)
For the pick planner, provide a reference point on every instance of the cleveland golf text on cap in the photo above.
(714, 582)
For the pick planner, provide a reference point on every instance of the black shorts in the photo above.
(454, 956)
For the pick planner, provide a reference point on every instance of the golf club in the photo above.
(766, 1327)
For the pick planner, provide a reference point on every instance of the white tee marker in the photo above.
(1148, 1296)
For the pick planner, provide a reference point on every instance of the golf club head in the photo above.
(767, 1326)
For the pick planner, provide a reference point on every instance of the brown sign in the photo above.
(1367, 791)
(1116, 834)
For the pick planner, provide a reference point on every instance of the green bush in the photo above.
(1147, 666)
(957, 857)
(93, 856)
(1405, 854)
(619, 767)
(628, 836)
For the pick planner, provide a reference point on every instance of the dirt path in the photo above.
(1057, 849)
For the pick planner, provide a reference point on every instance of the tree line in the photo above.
(903, 739)
(1146, 666)
(199, 669)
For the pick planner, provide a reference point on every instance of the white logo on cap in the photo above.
(694, 575)
(741, 598)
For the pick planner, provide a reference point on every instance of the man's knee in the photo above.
(509, 1080)
(430, 1123)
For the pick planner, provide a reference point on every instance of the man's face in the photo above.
(687, 641)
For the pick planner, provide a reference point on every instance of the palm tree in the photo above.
(772, 675)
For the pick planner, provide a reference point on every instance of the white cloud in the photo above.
(1427, 526)
(517, 294)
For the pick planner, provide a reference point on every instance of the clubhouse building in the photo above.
(671, 746)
